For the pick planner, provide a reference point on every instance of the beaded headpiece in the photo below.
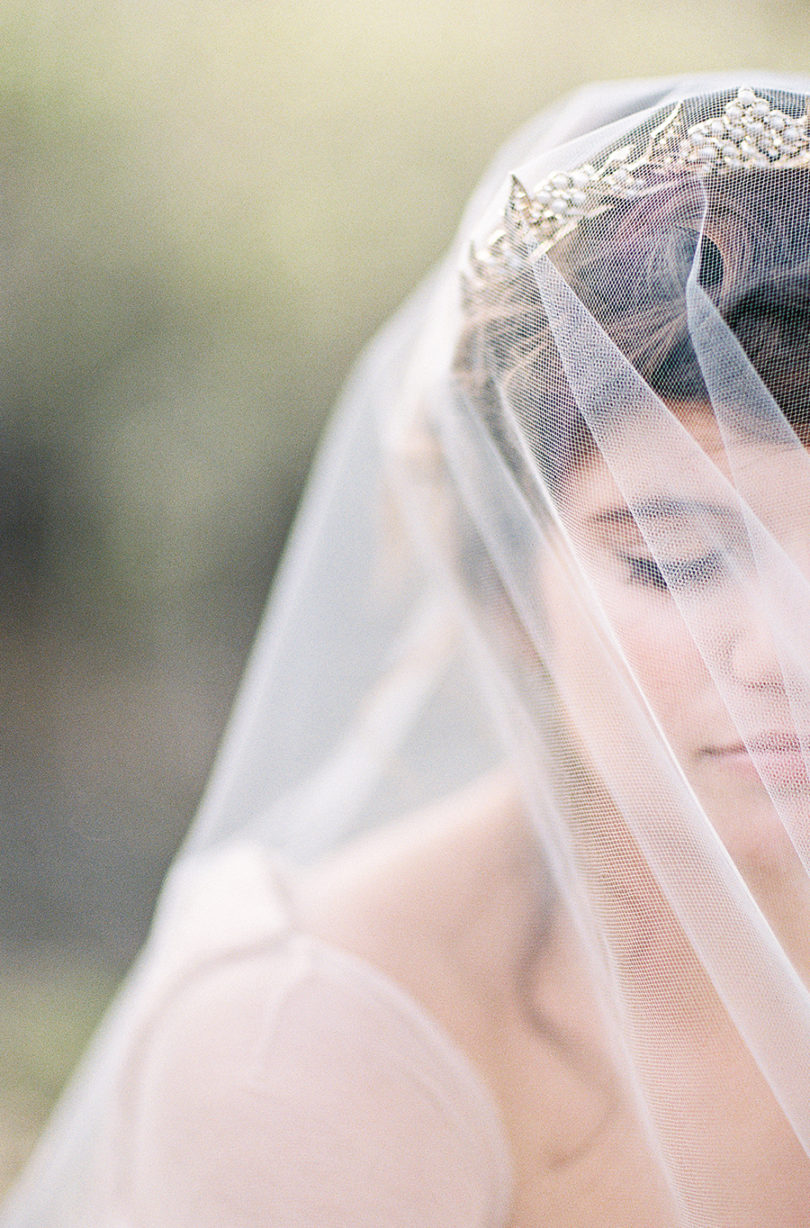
(748, 132)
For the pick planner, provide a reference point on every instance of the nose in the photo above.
(753, 659)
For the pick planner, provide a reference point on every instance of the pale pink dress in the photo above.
(276, 1080)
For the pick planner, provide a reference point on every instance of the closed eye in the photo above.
(692, 573)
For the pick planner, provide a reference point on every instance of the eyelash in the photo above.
(679, 574)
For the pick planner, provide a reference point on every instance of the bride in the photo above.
(497, 909)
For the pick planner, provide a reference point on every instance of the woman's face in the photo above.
(692, 621)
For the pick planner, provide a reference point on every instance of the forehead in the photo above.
(692, 460)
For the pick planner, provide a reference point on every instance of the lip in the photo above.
(772, 757)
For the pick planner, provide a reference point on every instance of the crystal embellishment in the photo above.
(748, 133)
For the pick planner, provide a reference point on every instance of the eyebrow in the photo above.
(660, 507)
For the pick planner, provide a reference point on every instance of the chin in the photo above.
(753, 831)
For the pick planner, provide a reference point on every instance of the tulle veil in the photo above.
(408, 645)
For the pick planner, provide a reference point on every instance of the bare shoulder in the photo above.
(454, 906)
(441, 902)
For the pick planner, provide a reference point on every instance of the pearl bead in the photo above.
(746, 97)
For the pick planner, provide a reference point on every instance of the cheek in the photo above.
(660, 652)
(665, 659)
(586, 679)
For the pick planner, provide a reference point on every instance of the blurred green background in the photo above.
(205, 208)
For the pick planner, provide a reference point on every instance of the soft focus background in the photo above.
(205, 207)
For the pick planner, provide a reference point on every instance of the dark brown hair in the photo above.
(748, 232)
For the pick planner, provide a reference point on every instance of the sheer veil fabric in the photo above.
(561, 522)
